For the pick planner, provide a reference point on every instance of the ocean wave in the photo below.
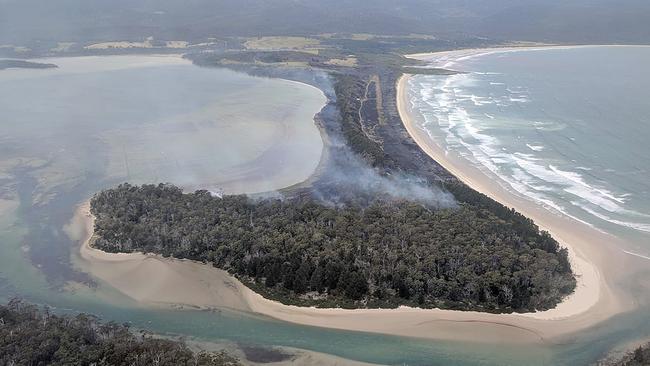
(535, 147)
(548, 126)
(519, 100)
(636, 254)
(480, 101)
(595, 195)
(632, 225)
(464, 120)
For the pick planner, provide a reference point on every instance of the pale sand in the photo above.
(445, 59)
(119, 45)
(155, 281)
(299, 357)
(152, 279)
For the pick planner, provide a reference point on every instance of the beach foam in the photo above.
(466, 122)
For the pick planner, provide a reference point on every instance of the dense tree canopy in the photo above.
(30, 336)
(385, 254)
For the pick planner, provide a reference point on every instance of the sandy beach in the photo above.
(152, 279)
(447, 59)
(187, 284)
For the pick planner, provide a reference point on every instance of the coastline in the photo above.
(454, 55)
(184, 283)
(588, 277)
(592, 253)
(153, 280)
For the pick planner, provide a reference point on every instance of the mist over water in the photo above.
(567, 128)
(147, 119)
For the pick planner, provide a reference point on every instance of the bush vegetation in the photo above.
(31, 336)
(386, 254)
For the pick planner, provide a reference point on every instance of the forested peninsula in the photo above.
(372, 229)
(386, 254)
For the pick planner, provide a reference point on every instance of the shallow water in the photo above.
(67, 133)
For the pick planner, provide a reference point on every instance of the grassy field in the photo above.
(345, 62)
(281, 43)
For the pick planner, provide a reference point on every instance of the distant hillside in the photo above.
(596, 21)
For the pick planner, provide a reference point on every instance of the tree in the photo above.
(302, 280)
(386, 253)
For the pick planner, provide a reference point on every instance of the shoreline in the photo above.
(588, 278)
(175, 280)
(184, 283)
(188, 284)
(592, 252)
(475, 52)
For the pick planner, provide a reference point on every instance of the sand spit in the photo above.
(152, 280)
(447, 59)
(594, 258)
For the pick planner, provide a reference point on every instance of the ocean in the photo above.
(565, 127)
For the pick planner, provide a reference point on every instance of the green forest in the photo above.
(33, 336)
(386, 254)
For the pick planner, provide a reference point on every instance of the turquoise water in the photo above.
(63, 138)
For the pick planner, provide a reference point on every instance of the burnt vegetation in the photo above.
(349, 92)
